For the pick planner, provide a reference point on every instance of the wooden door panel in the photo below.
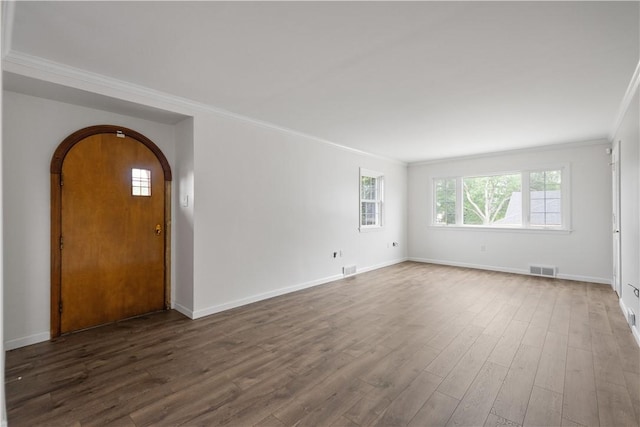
(112, 261)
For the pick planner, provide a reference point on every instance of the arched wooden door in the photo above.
(110, 192)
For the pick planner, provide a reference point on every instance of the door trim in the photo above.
(616, 226)
(56, 211)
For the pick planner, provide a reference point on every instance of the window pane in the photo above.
(372, 190)
(369, 213)
(537, 219)
(537, 205)
(140, 182)
(445, 201)
(492, 200)
(364, 183)
(546, 198)
(368, 188)
(371, 198)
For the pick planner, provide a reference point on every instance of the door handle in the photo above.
(158, 229)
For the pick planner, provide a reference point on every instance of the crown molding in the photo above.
(54, 72)
(57, 73)
(626, 101)
(8, 18)
(561, 146)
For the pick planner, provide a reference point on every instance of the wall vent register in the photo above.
(542, 270)
(349, 270)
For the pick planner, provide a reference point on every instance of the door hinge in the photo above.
(60, 306)
(61, 180)
(61, 242)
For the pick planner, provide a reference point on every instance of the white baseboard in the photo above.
(636, 334)
(259, 297)
(634, 329)
(510, 270)
(468, 265)
(382, 265)
(25, 341)
(182, 309)
(589, 279)
(195, 314)
(282, 291)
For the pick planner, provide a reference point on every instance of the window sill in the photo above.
(369, 229)
(503, 229)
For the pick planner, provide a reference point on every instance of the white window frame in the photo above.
(565, 201)
(379, 201)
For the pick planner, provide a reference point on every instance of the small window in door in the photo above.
(140, 182)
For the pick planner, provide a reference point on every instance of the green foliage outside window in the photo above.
(486, 198)
(445, 190)
(531, 199)
(371, 200)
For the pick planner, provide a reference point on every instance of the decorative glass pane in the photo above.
(140, 182)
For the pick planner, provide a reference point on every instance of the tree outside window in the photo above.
(533, 199)
(486, 199)
(445, 207)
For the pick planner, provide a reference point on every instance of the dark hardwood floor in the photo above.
(412, 344)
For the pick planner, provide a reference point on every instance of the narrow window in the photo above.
(140, 182)
(492, 200)
(445, 203)
(371, 193)
(545, 193)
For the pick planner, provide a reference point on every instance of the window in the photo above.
(371, 198)
(445, 202)
(536, 199)
(487, 200)
(545, 195)
(140, 182)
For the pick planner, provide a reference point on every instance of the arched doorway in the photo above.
(110, 236)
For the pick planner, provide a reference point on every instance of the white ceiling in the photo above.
(411, 81)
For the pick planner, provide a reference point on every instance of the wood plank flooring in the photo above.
(408, 345)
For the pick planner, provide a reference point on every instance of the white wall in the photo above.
(183, 221)
(33, 129)
(272, 206)
(583, 254)
(266, 208)
(628, 135)
(3, 412)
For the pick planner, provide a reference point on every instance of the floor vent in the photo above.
(542, 270)
(349, 270)
(631, 317)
